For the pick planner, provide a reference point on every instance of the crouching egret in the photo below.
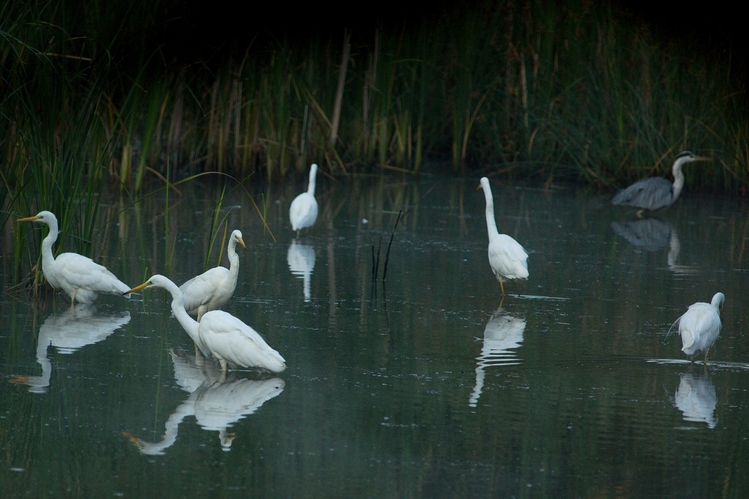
(657, 192)
(79, 276)
(700, 326)
(303, 210)
(211, 289)
(507, 257)
(219, 334)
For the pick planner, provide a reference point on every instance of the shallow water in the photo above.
(426, 384)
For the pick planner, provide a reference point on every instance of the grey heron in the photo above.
(657, 192)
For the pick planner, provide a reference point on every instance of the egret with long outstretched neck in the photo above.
(507, 258)
(219, 334)
(211, 289)
(303, 210)
(79, 276)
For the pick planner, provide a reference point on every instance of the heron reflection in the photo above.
(652, 234)
(216, 403)
(696, 398)
(503, 334)
(69, 331)
(301, 259)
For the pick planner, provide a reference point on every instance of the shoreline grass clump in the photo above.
(537, 91)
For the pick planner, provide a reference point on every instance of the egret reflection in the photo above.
(696, 398)
(69, 331)
(503, 334)
(301, 259)
(652, 234)
(216, 403)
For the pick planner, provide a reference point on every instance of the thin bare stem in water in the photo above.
(387, 254)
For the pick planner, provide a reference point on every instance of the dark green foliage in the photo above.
(535, 90)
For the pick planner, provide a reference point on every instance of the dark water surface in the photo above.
(423, 386)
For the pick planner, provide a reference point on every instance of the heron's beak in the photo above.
(29, 219)
(241, 242)
(701, 158)
(138, 288)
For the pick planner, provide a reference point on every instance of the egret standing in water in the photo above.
(79, 276)
(303, 210)
(211, 289)
(219, 334)
(508, 259)
(700, 326)
(657, 192)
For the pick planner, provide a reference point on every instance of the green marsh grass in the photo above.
(536, 91)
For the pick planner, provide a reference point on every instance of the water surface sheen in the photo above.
(425, 385)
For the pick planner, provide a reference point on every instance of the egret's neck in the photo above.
(491, 224)
(312, 178)
(47, 256)
(678, 178)
(233, 259)
(189, 324)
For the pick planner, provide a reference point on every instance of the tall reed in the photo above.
(540, 91)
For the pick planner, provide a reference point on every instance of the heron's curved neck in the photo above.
(678, 178)
(491, 224)
(233, 258)
(189, 324)
(312, 177)
(47, 256)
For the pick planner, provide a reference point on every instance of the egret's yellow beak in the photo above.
(240, 241)
(138, 288)
(29, 219)
(478, 188)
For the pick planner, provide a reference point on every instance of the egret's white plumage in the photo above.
(79, 276)
(657, 192)
(700, 326)
(507, 257)
(219, 334)
(211, 289)
(303, 210)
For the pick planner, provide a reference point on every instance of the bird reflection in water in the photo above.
(301, 259)
(215, 402)
(69, 331)
(503, 334)
(652, 234)
(696, 398)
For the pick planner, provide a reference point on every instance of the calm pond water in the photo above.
(425, 385)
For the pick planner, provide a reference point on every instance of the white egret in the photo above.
(700, 326)
(79, 276)
(303, 210)
(657, 192)
(211, 289)
(219, 334)
(508, 259)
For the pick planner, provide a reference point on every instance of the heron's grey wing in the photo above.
(650, 194)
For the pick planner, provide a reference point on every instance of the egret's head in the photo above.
(718, 300)
(44, 217)
(237, 235)
(484, 184)
(158, 281)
